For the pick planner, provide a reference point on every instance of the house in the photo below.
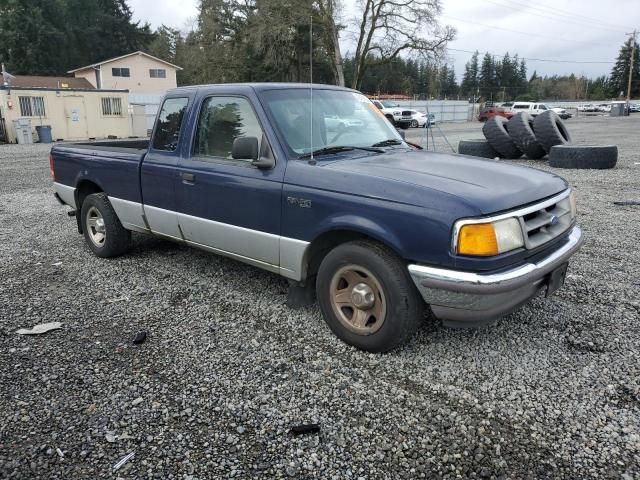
(73, 107)
(146, 77)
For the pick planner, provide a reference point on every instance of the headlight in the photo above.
(487, 239)
(397, 112)
(572, 203)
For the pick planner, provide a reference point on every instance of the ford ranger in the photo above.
(375, 227)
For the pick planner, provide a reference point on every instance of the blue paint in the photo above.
(407, 199)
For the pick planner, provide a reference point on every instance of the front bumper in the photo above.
(469, 299)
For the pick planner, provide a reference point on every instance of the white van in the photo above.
(531, 108)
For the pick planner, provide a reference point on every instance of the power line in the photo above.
(536, 59)
(554, 14)
(566, 13)
(519, 32)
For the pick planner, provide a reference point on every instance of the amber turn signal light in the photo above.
(478, 239)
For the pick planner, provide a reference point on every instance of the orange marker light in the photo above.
(478, 239)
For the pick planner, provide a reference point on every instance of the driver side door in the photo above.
(229, 205)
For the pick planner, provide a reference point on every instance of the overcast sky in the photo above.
(563, 30)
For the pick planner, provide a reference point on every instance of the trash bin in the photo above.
(44, 133)
(22, 126)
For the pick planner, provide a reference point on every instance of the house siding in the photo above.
(140, 80)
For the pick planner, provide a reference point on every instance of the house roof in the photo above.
(58, 83)
(93, 65)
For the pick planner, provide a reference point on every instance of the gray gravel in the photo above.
(550, 391)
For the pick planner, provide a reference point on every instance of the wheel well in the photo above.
(326, 242)
(83, 190)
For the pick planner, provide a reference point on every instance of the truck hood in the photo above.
(486, 185)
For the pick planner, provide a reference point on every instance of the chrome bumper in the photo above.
(466, 298)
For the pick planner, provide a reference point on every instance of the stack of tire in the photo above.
(537, 137)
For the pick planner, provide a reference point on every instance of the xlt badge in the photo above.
(301, 202)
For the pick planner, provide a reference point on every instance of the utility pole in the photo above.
(633, 52)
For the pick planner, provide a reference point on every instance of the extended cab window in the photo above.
(169, 124)
(222, 120)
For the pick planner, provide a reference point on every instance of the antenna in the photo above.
(311, 85)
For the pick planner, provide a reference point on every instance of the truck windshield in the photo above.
(339, 118)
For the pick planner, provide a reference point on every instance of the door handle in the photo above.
(188, 178)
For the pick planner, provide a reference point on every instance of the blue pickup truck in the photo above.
(314, 184)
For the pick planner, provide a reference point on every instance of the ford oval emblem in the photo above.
(553, 220)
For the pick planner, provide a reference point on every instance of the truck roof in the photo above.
(261, 86)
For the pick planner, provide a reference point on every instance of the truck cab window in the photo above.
(222, 120)
(169, 123)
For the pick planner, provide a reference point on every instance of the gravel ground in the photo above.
(550, 391)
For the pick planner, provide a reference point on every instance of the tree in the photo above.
(50, 37)
(388, 28)
(327, 11)
(469, 85)
(165, 43)
(620, 73)
(487, 77)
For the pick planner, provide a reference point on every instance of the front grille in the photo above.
(406, 113)
(543, 225)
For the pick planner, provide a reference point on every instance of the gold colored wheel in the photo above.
(358, 300)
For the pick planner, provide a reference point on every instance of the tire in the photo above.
(521, 131)
(583, 156)
(495, 131)
(98, 216)
(477, 148)
(396, 311)
(550, 130)
(414, 124)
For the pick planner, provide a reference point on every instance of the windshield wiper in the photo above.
(387, 143)
(338, 149)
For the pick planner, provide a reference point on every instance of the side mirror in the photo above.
(245, 148)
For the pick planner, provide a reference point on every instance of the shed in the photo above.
(74, 108)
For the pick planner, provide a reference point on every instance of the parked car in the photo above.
(420, 119)
(395, 113)
(374, 227)
(338, 123)
(587, 108)
(604, 107)
(532, 108)
(634, 107)
(562, 113)
(488, 112)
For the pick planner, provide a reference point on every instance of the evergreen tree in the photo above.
(50, 37)
(487, 78)
(469, 85)
(620, 74)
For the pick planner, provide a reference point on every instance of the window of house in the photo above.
(158, 73)
(32, 106)
(169, 123)
(111, 106)
(222, 120)
(120, 72)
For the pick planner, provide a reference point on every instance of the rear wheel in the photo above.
(103, 232)
(367, 297)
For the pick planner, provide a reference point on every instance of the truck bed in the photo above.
(112, 165)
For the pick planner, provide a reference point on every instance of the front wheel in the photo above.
(367, 297)
(103, 232)
(414, 124)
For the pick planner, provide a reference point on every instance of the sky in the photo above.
(561, 30)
